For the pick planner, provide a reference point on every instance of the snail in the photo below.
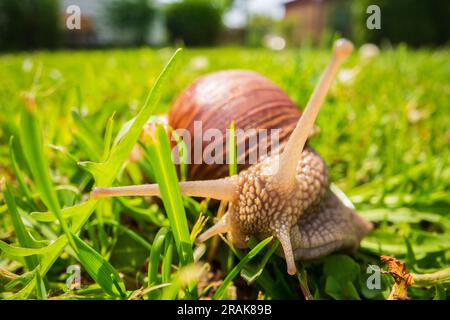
(287, 194)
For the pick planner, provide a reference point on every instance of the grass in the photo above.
(384, 132)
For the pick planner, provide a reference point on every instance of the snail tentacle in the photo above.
(222, 226)
(294, 147)
(284, 237)
(221, 189)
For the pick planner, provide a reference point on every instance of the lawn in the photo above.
(384, 133)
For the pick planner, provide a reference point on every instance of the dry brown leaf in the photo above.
(402, 278)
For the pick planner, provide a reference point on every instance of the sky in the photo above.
(236, 17)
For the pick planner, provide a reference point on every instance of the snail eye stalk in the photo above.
(294, 147)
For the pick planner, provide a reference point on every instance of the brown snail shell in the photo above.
(245, 97)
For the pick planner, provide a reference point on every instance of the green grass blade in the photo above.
(182, 154)
(160, 158)
(302, 277)
(166, 267)
(32, 144)
(86, 137)
(108, 138)
(25, 191)
(155, 253)
(133, 235)
(23, 279)
(100, 270)
(235, 271)
(22, 235)
(21, 251)
(86, 131)
(251, 273)
(41, 292)
(67, 213)
(148, 214)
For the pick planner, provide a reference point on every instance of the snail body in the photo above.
(286, 194)
(318, 222)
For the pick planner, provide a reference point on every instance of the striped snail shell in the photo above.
(245, 97)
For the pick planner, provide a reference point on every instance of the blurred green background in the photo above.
(384, 132)
(30, 24)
